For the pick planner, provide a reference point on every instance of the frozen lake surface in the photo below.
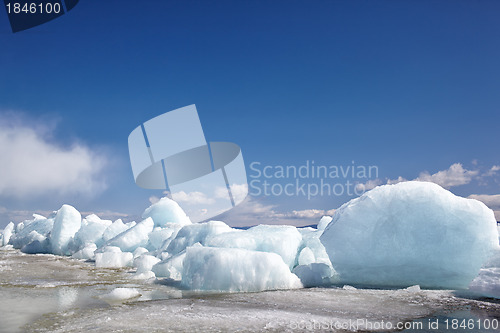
(46, 293)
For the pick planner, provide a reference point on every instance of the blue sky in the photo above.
(408, 86)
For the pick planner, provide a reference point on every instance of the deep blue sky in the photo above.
(409, 86)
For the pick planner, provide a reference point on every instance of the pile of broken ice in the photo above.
(393, 236)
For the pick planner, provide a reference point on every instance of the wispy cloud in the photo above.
(370, 184)
(455, 175)
(239, 191)
(492, 171)
(32, 165)
(253, 212)
(194, 198)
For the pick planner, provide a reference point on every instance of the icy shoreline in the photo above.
(397, 236)
(411, 233)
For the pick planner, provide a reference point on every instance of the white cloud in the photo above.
(194, 198)
(455, 175)
(495, 168)
(397, 180)
(153, 199)
(31, 165)
(221, 192)
(239, 191)
(370, 184)
(492, 171)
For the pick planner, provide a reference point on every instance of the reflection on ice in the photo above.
(35, 285)
(273, 311)
(53, 294)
